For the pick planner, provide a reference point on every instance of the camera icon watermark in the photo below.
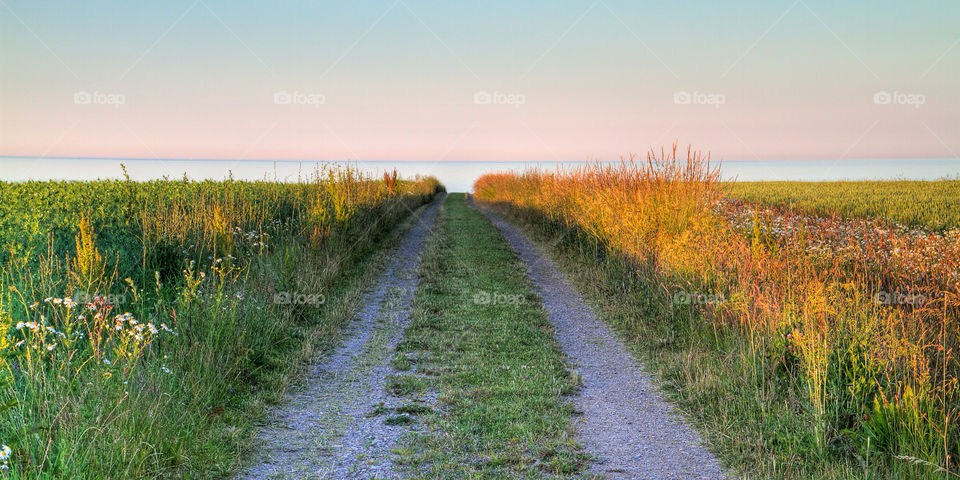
(699, 98)
(283, 97)
(296, 298)
(499, 98)
(84, 97)
(494, 298)
(698, 298)
(914, 100)
(98, 299)
(899, 298)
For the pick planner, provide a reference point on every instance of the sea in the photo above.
(457, 176)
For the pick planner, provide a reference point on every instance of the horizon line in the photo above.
(287, 160)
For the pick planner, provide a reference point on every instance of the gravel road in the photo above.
(625, 422)
(326, 427)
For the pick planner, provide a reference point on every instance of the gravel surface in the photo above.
(625, 422)
(328, 427)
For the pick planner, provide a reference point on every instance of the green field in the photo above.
(141, 335)
(933, 205)
(145, 327)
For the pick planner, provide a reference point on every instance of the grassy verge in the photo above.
(744, 401)
(480, 339)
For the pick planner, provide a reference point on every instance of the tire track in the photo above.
(326, 428)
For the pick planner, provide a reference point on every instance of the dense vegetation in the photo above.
(805, 346)
(144, 325)
(933, 205)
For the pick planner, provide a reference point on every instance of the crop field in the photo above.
(145, 326)
(811, 330)
(931, 205)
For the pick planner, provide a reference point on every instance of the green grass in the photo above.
(499, 374)
(186, 405)
(934, 205)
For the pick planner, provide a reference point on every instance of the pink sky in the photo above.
(400, 84)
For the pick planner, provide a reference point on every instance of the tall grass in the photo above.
(144, 325)
(854, 322)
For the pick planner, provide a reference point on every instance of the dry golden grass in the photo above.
(863, 313)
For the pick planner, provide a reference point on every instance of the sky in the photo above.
(493, 80)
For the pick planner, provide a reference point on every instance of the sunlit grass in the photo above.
(853, 322)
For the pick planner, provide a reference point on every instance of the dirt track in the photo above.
(325, 429)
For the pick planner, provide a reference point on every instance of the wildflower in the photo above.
(5, 453)
(106, 361)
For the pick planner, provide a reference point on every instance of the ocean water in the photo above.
(456, 175)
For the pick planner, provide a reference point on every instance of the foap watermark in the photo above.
(884, 97)
(499, 98)
(114, 100)
(898, 298)
(699, 98)
(494, 298)
(698, 298)
(99, 298)
(296, 97)
(297, 298)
